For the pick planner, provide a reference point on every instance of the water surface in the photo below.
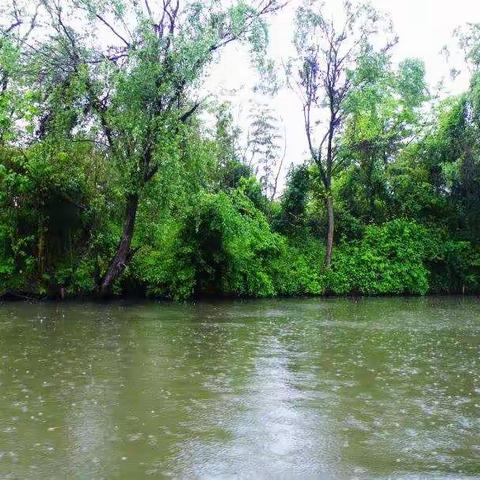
(320, 389)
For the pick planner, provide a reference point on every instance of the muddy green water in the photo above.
(287, 389)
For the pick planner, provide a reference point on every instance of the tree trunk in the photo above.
(330, 223)
(123, 255)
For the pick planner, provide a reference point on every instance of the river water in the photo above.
(274, 389)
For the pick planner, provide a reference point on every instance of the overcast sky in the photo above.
(423, 26)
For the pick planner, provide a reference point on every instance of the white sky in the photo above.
(423, 26)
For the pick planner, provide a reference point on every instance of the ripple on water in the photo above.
(333, 389)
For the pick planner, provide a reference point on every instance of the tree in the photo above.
(134, 96)
(383, 117)
(265, 149)
(451, 150)
(16, 25)
(230, 165)
(327, 54)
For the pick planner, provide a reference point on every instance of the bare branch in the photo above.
(113, 30)
(14, 25)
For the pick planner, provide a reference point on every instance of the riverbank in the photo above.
(212, 298)
(244, 260)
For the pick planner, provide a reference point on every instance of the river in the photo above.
(385, 388)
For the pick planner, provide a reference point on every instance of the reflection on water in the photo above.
(330, 389)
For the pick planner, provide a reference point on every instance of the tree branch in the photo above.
(107, 24)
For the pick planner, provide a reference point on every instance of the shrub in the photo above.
(455, 267)
(226, 246)
(389, 259)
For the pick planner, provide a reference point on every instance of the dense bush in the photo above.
(226, 246)
(403, 257)
(454, 267)
(389, 259)
(55, 223)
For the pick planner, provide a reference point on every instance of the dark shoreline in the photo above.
(14, 298)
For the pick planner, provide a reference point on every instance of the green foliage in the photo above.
(226, 246)
(52, 217)
(384, 114)
(389, 259)
(292, 218)
(107, 166)
(403, 257)
(455, 267)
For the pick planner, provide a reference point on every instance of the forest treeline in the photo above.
(117, 177)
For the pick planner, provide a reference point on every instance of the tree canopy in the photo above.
(118, 175)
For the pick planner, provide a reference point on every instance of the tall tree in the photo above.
(135, 67)
(327, 53)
